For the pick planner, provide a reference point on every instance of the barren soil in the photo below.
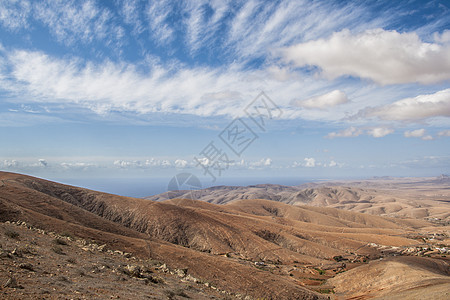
(250, 248)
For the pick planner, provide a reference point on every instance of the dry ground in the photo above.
(259, 249)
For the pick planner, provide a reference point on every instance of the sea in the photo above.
(144, 187)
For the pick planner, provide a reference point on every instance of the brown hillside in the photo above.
(413, 198)
(40, 203)
(260, 248)
(396, 278)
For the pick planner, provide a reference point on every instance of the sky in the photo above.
(229, 91)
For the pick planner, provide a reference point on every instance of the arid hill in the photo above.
(37, 264)
(416, 198)
(387, 279)
(116, 221)
(256, 248)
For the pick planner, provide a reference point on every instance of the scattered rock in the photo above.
(16, 252)
(12, 283)
(133, 271)
(191, 278)
(26, 266)
(181, 272)
(164, 268)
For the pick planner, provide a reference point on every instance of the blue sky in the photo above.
(138, 89)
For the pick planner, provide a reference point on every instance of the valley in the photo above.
(243, 248)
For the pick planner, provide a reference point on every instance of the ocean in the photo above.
(143, 187)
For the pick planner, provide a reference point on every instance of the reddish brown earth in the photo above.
(37, 264)
(254, 248)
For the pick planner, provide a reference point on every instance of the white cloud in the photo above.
(131, 15)
(332, 164)
(121, 87)
(123, 164)
(76, 21)
(10, 163)
(418, 133)
(264, 162)
(43, 162)
(386, 57)
(259, 26)
(181, 163)
(379, 132)
(14, 14)
(442, 38)
(352, 131)
(77, 166)
(310, 162)
(324, 101)
(415, 133)
(444, 133)
(149, 163)
(157, 14)
(252, 29)
(349, 132)
(413, 109)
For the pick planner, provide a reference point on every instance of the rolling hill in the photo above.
(254, 247)
(415, 198)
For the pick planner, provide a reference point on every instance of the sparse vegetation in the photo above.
(68, 235)
(170, 294)
(338, 258)
(115, 259)
(26, 266)
(63, 279)
(179, 292)
(59, 241)
(326, 291)
(316, 279)
(321, 272)
(58, 250)
(12, 234)
(154, 262)
(71, 261)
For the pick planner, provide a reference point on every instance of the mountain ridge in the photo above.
(246, 247)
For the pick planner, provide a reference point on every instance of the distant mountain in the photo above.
(244, 247)
(385, 196)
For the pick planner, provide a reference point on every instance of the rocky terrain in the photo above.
(182, 248)
(40, 264)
